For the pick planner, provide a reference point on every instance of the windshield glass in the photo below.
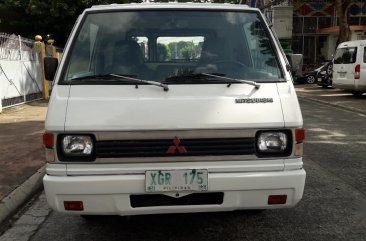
(160, 44)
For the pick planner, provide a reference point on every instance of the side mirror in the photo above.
(50, 67)
(289, 66)
(295, 61)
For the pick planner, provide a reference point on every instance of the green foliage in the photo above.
(32, 17)
(184, 50)
(164, 53)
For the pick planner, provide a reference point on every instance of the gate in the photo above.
(20, 71)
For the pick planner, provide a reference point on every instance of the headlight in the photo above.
(77, 145)
(273, 142)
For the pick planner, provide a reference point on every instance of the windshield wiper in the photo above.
(150, 82)
(200, 76)
(255, 84)
(111, 77)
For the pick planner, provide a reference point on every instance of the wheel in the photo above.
(310, 79)
(327, 83)
(357, 93)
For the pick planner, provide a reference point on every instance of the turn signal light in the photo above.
(73, 205)
(277, 199)
(300, 135)
(48, 140)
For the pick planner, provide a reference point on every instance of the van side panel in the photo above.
(55, 120)
(360, 85)
(290, 105)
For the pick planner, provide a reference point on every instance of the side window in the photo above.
(176, 49)
(261, 52)
(345, 55)
(84, 50)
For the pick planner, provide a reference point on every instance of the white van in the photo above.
(172, 108)
(349, 67)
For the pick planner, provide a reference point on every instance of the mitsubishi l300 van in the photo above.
(172, 108)
(349, 67)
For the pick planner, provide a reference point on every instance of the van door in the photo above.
(362, 80)
(344, 65)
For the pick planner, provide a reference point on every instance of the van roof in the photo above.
(352, 43)
(171, 5)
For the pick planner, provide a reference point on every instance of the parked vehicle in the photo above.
(172, 108)
(324, 75)
(312, 76)
(349, 68)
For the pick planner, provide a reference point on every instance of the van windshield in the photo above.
(172, 46)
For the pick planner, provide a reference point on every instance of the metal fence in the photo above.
(20, 71)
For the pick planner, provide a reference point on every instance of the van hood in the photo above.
(147, 107)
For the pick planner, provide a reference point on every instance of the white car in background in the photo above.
(349, 67)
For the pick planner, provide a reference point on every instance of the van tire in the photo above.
(310, 79)
(328, 84)
(357, 93)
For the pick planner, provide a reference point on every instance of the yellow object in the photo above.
(51, 41)
(40, 48)
(38, 38)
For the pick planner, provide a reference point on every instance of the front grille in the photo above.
(159, 148)
(154, 200)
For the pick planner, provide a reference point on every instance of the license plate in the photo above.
(176, 180)
(320, 79)
(342, 75)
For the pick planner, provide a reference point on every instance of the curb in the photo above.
(12, 202)
(333, 105)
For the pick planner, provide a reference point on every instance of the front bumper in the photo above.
(110, 194)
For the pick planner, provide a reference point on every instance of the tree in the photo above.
(164, 53)
(48, 16)
(342, 12)
(185, 50)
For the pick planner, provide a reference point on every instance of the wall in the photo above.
(20, 71)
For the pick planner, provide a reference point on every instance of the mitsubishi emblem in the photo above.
(173, 149)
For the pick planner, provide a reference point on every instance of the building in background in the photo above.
(314, 26)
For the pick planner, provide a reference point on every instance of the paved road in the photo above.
(333, 206)
(333, 96)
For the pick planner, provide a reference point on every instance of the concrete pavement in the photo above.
(21, 155)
